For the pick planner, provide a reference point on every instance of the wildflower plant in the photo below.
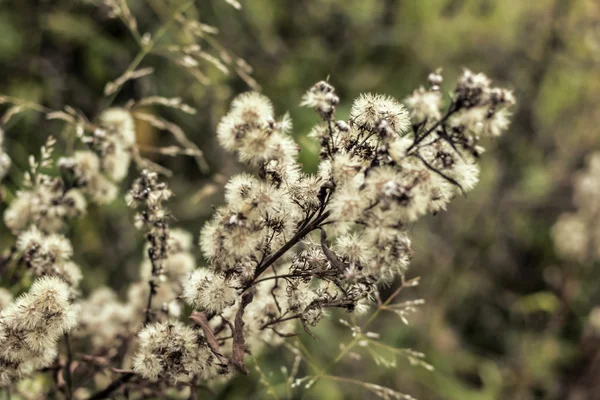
(285, 249)
(380, 171)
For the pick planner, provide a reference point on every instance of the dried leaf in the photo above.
(238, 333)
(201, 319)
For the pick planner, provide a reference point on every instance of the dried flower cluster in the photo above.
(172, 351)
(30, 327)
(285, 248)
(381, 170)
(88, 176)
(56, 190)
(107, 322)
(577, 234)
(43, 208)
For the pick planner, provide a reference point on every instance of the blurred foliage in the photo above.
(504, 317)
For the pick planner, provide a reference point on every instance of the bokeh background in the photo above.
(505, 317)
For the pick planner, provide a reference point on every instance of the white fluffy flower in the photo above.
(104, 319)
(171, 351)
(571, 237)
(31, 326)
(424, 105)
(120, 122)
(205, 290)
(372, 110)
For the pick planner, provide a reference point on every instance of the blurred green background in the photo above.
(504, 317)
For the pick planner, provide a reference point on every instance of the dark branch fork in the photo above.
(419, 138)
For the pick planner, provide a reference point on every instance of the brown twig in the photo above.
(238, 333)
(201, 319)
(67, 369)
(301, 234)
(114, 385)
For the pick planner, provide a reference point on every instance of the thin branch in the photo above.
(114, 385)
(301, 234)
(148, 312)
(451, 110)
(280, 320)
(238, 347)
(68, 376)
(440, 173)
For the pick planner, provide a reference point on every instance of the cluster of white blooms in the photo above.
(147, 195)
(49, 201)
(83, 172)
(172, 351)
(115, 149)
(45, 202)
(108, 322)
(113, 141)
(381, 170)
(166, 349)
(477, 110)
(30, 327)
(577, 234)
(177, 264)
(42, 209)
(57, 190)
(4, 159)
(49, 254)
(207, 290)
(105, 320)
(286, 247)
